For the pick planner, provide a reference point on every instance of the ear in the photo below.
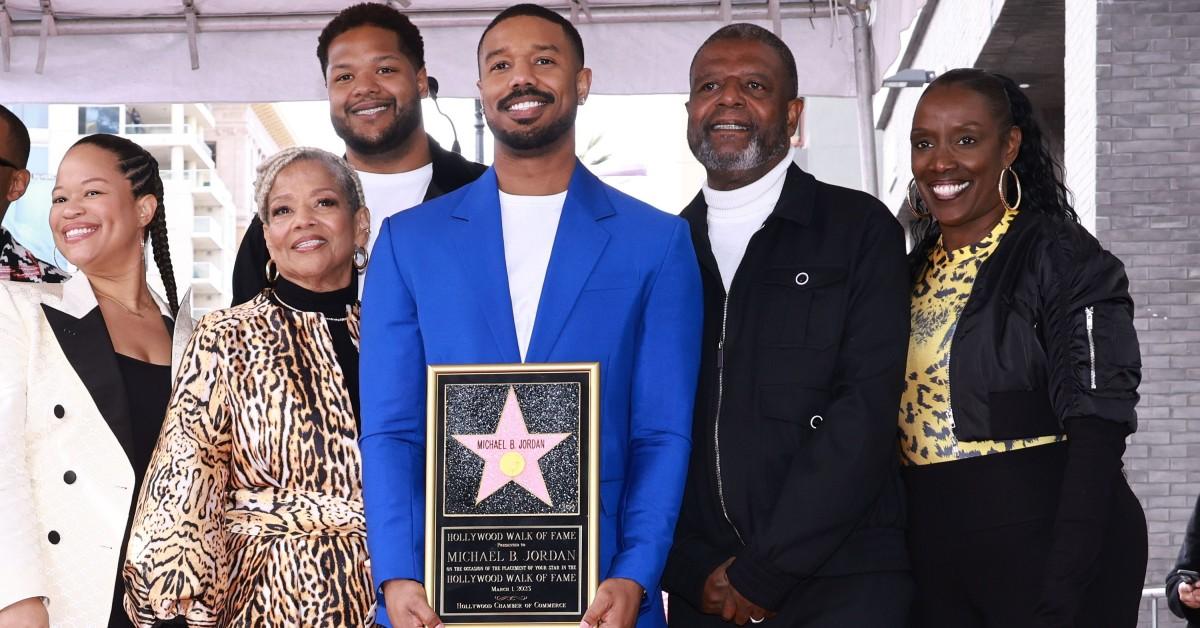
(17, 185)
(422, 83)
(795, 107)
(1012, 145)
(583, 84)
(146, 205)
(362, 226)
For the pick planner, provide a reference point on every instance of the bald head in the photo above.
(14, 155)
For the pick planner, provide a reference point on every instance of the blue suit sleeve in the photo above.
(664, 378)
(392, 389)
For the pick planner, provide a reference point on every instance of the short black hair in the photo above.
(750, 32)
(378, 15)
(17, 134)
(534, 10)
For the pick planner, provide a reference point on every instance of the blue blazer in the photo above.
(622, 289)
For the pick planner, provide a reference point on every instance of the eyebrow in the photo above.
(387, 57)
(536, 47)
(85, 182)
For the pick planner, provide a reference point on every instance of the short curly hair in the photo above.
(346, 178)
(378, 15)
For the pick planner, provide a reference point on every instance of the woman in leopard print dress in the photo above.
(251, 514)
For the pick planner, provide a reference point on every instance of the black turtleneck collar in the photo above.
(330, 304)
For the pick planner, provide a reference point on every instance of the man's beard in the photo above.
(765, 147)
(407, 119)
(526, 138)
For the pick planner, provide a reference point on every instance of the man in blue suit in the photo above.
(537, 261)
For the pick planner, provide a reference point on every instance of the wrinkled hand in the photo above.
(721, 598)
(407, 606)
(1189, 595)
(28, 613)
(616, 605)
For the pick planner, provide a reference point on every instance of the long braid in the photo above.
(141, 169)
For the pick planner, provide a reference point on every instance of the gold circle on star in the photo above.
(512, 464)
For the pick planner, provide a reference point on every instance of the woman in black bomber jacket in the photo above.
(1022, 380)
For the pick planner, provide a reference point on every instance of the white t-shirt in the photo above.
(529, 224)
(734, 216)
(392, 193)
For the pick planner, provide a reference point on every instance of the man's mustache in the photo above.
(523, 92)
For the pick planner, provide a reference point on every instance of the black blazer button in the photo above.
(53, 537)
(59, 411)
(69, 477)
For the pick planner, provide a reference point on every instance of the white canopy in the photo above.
(114, 51)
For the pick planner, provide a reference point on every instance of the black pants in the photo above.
(980, 531)
(869, 600)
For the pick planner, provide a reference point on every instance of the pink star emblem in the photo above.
(511, 454)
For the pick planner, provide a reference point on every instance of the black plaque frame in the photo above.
(510, 532)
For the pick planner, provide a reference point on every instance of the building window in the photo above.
(34, 116)
(99, 120)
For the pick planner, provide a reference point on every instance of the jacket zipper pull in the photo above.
(720, 354)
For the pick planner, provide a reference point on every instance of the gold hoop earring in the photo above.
(1004, 194)
(272, 271)
(913, 205)
(360, 252)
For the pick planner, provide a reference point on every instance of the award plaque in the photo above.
(512, 494)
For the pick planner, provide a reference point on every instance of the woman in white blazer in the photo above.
(83, 389)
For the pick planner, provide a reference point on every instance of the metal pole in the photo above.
(864, 70)
(478, 130)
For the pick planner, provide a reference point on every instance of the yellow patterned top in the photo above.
(926, 417)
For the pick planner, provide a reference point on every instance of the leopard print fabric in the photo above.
(251, 513)
(926, 416)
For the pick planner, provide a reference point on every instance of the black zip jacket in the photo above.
(807, 380)
(1047, 335)
(450, 172)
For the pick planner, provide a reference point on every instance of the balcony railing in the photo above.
(156, 128)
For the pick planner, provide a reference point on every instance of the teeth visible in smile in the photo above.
(370, 112)
(522, 106)
(80, 231)
(729, 127)
(308, 245)
(949, 190)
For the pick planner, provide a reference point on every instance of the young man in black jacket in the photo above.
(793, 512)
(373, 61)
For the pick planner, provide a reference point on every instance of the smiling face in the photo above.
(531, 83)
(374, 91)
(959, 149)
(95, 219)
(740, 116)
(310, 231)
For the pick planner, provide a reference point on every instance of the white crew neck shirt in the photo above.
(529, 224)
(392, 193)
(734, 216)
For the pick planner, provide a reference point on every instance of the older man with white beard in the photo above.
(792, 512)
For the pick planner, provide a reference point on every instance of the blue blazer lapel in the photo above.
(480, 244)
(577, 247)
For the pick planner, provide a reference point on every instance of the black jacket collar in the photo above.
(796, 203)
(450, 171)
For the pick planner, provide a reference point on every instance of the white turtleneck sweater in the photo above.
(734, 216)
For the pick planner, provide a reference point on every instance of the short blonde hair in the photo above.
(345, 176)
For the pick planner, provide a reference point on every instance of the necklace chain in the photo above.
(300, 311)
(118, 302)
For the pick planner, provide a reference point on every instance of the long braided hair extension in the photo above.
(141, 168)
(1040, 173)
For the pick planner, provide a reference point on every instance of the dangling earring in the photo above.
(1003, 194)
(914, 201)
(272, 271)
(360, 259)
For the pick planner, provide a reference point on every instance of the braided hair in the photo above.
(1040, 173)
(141, 169)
